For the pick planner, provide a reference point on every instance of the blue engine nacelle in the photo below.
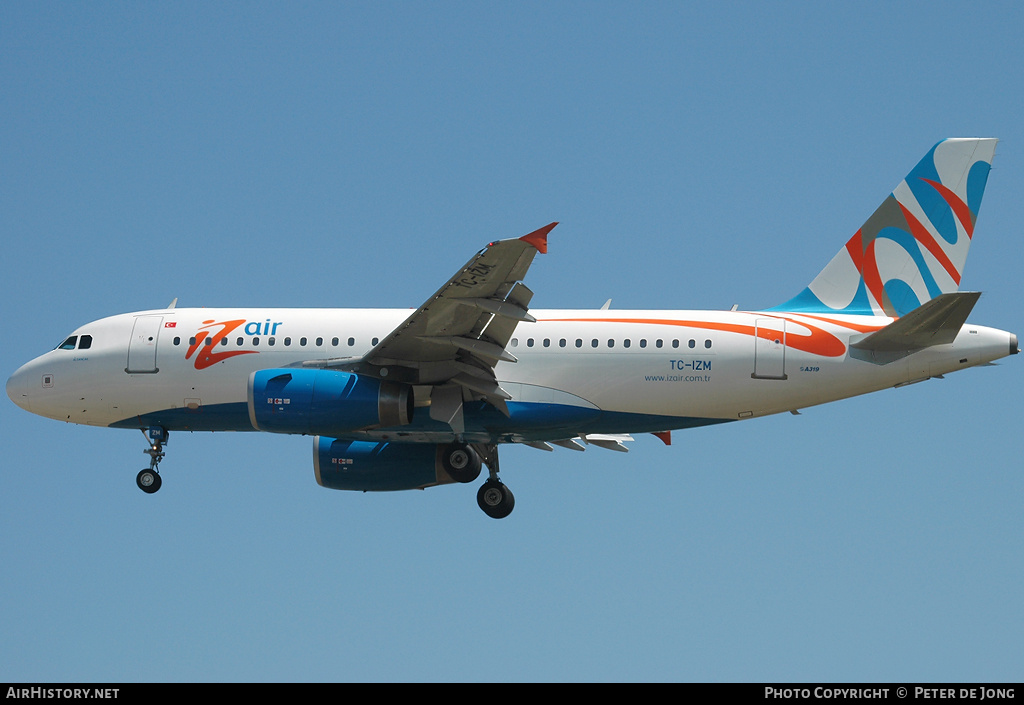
(378, 467)
(325, 402)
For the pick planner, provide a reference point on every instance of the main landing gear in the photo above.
(148, 479)
(462, 462)
(495, 499)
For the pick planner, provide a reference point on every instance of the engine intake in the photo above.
(325, 402)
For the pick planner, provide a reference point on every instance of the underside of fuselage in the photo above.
(483, 423)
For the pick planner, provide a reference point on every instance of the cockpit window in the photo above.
(82, 343)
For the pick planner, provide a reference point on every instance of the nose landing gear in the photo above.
(148, 479)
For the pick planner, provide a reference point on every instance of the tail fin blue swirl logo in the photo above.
(914, 246)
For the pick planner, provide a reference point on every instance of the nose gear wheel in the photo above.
(148, 479)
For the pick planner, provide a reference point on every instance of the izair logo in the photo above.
(215, 333)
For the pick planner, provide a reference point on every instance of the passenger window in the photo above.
(287, 342)
(375, 341)
(302, 342)
(529, 342)
(223, 341)
(240, 341)
(177, 340)
(692, 343)
(334, 342)
(593, 343)
(68, 344)
(85, 342)
(561, 343)
(707, 343)
(270, 340)
(255, 342)
(611, 343)
(547, 342)
(657, 343)
(515, 342)
(579, 342)
(625, 343)
(643, 342)
(675, 343)
(319, 341)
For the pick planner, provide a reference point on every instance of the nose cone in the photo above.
(19, 388)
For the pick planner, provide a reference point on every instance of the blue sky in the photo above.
(356, 154)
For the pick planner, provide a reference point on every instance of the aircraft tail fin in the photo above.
(914, 247)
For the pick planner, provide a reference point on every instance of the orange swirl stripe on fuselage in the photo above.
(819, 342)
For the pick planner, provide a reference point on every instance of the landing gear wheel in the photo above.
(148, 480)
(461, 462)
(495, 499)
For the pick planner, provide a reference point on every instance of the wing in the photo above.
(453, 341)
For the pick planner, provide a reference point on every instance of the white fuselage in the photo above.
(189, 369)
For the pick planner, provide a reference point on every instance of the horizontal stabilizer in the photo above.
(936, 322)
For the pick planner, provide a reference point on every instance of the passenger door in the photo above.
(142, 346)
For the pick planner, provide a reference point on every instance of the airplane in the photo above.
(398, 401)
